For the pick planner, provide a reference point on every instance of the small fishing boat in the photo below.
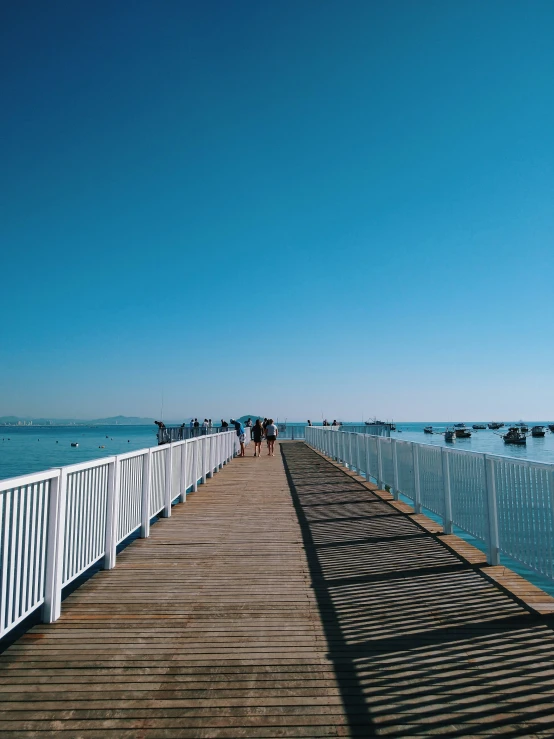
(523, 426)
(551, 427)
(514, 435)
(462, 433)
(538, 432)
(428, 430)
(479, 426)
(459, 425)
(495, 425)
(449, 435)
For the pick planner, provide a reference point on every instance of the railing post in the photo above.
(183, 477)
(379, 463)
(145, 497)
(166, 510)
(204, 460)
(417, 483)
(52, 607)
(219, 449)
(112, 514)
(493, 557)
(195, 453)
(395, 491)
(209, 457)
(349, 463)
(446, 489)
(367, 464)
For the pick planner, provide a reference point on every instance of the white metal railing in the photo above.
(55, 524)
(505, 502)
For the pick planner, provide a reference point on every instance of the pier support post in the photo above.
(52, 607)
(395, 491)
(446, 489)
(417, 482)
(493, 556)
(166, 510)
(145, 497)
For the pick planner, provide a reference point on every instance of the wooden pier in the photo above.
(287, 598)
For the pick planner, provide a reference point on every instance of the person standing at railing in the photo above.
(271, 435)
(309, 422)
(257, 435)
(241, 434)
(224, 424)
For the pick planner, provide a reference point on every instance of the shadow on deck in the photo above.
(421, 642)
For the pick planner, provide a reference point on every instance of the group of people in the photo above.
(258, 431)
(326, 423)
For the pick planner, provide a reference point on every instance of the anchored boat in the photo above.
(514, 435)
(449, 435)
(479, 426)
(462, 433)
(495, 425)
(538, 432)
(428, 430)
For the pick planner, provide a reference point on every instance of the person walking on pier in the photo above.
(257, 435)
(271, 435)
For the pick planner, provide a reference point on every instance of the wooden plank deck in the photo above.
(285, 599)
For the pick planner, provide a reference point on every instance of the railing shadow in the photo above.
(421, 643)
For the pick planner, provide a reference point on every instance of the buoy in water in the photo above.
(102, 447)
(74, 443)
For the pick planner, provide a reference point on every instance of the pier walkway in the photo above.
(287, 599)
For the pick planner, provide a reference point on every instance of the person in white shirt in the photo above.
(271, 434)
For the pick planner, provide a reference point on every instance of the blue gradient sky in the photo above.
(289, 207)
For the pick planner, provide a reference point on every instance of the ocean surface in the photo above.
(26, 449)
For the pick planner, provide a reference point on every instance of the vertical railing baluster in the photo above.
(395, 491)
(380, 483)
(446, 491)
(168, 494)
(183, 476)
(112, 511)
(417, 481)
(493, 543)
(195, 476)
(145, 495)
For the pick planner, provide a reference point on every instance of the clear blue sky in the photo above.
(281, 207)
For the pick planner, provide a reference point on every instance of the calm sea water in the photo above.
(25, 449)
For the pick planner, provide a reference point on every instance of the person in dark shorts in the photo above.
(270, 435)
(257, 435)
